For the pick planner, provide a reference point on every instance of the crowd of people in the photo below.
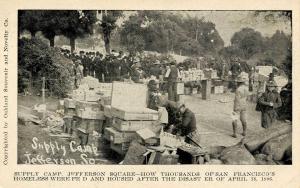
(164, 75)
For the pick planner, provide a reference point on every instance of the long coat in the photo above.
(269, 113)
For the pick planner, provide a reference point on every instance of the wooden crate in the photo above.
(90, 114)
(218, 89)
(118, 137)
(85, 104)
(69, 111)
(134, 113)
(92, 96)
(123, 125)
(69, 103)
(180, 88)
(89, 125)
(129, 94)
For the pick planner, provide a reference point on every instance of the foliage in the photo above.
(28, 20)
(70, 23)
(36, 60)
(287, 64)
(167, 32)
(108, 24)
(248, 41)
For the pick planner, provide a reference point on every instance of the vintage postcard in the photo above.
(142, 93)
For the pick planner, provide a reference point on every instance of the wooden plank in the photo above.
(134, 113)
(89, 114)
(123, 125)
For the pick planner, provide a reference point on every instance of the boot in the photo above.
(234, 127)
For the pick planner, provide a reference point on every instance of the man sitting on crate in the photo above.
(187, 127)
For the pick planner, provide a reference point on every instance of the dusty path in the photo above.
(214, 120)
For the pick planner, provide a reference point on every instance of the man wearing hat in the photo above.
(172, 76)
(187, 127)
(269, 102)
(240, 105)
(235, 71)
(155, 69)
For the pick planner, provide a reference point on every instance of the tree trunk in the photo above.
(33, 33)
(51, 39)
(107, 43)
(72, 44)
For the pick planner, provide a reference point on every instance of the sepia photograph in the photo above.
(154, 87)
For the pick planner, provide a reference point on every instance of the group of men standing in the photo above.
(268, 104)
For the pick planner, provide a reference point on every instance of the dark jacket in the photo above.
(173, 74)
(268, 97)
(188, 122)
(155, 71)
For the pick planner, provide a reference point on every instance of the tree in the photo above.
(249, 41)
(166, 32)
(277, 47)
(29, 20)
(131, 34)
(108, 24)
(287, 64)
(76, 24)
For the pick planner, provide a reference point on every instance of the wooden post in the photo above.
(206, 89)
(43, 94)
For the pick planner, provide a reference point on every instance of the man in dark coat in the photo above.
(172, 76)
(155, 69)
(99, 66)
(188, 126)
(269, 102)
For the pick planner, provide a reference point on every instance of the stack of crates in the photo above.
(128, 114)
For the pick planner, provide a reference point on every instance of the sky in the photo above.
(229, 22)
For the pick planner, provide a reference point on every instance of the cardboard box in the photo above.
(123, 125)
(134, 113)
(118, 137)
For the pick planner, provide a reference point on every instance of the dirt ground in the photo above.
(214, 118)
(213, 121)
